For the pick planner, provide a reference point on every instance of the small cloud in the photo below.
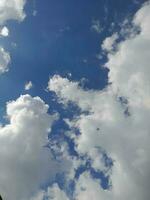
(4, 32)
(28, 85)
(96, 26)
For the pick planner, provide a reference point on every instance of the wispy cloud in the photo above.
(96, 26)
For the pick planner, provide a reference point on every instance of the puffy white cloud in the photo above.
(119, 126)
(26, 163)
(4, 60)
(4, 32)
(11, 10)
(28, 85)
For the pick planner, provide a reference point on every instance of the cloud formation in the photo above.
(26, 163)
(118, 118)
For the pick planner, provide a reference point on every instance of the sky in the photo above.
(74, 99)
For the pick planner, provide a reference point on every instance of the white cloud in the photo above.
(25, 163)
(28, 85)
(126, 139)
(4, 32)
(4, 60)
(11, 10)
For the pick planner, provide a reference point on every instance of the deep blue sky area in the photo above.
(59, 40)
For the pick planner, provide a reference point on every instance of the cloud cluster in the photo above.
(118, 118)
(26, 163)
(9, 10)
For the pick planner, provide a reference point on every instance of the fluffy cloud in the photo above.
(26, 163)
(11, 10)
(4, 60)
(118, 119)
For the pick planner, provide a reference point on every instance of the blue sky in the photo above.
(58, 40)
(74, 78)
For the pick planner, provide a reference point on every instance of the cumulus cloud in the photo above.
(4, 60)
(28, 85)
(118, 118)
(26, 163)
